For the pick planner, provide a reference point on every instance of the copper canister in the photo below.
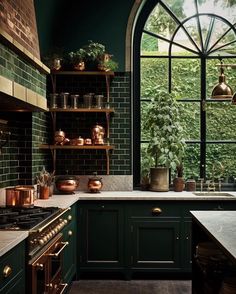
(26, 196)
(12, 197)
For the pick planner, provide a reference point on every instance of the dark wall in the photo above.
(70, 24)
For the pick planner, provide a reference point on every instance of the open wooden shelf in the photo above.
(95, 147)
(103, 110)
(83, 73)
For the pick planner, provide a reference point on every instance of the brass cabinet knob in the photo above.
(69, 217)
(7, 271)
(70, 233)
(156, 211)
(39, 266)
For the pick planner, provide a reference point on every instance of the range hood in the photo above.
(22, 75)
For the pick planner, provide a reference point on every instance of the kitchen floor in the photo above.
(131, 287)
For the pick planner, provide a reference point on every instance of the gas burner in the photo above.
(25, 218)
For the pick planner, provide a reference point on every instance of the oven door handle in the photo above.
(64, 287)
(60, 250)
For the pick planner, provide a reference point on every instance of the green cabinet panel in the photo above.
(17, 286)
(14, 283)
(101, 235)
(155, 243)
(139, 235)
(69, 253)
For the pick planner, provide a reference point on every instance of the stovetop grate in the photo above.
(24, 218)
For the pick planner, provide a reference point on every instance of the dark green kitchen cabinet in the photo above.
(155, 244)
(154, 236)
(69, 253)
(138, 236)
(101, 235)
(12, 268)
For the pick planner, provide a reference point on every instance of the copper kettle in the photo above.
(95, 184)
(98, 133)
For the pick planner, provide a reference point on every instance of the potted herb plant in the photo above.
(178, 181)
(77, 59)
(166, 145)
(108, 65)
(93, 53)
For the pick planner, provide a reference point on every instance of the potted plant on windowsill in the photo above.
(166, 145)
(178, 181)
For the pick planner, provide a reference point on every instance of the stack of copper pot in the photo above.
(20, 196)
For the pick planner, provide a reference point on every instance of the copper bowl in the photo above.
(67, 184)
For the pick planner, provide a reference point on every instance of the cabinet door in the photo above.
(69, 253)
(155, 243)
(186, 245)
(16, 286)
(101, 235)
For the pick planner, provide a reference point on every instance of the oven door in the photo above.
(46, 269)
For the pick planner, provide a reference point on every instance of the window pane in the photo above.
(191, 161)
(160, 22)
(190, 120)
(223, 158)
(144, 132)
(153, 76)
(149, 45)
(221, 117)
(146, 160)
(223, 8)
(182, 9)
(186, 78)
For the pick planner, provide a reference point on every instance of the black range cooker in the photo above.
(44, 244)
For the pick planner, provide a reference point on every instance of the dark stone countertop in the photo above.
(221, 226)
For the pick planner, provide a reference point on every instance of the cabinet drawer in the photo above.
(154, 209)
(11, 264)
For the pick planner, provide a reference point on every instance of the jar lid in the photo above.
(95, 177)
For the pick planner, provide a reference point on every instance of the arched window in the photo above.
(178, 45)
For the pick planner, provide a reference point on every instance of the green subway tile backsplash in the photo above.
(16, 69)
(21, 159)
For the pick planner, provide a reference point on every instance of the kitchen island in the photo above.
(214, 232)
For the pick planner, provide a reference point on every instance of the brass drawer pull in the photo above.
(156, 211)
(70, 233)
(7, 271)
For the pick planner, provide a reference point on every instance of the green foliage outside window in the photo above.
(221, 116)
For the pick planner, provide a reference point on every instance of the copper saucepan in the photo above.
(20, 196)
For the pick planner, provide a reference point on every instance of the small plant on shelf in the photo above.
(93, 51)
(108, 65)
(77, 59)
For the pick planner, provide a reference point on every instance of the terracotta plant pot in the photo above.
(178, 184)
(44, 192)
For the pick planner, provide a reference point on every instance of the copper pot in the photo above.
(20, 196)
(59, 137)
(95, 184)
(77, 141)
(87, 141)
(67, 184)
